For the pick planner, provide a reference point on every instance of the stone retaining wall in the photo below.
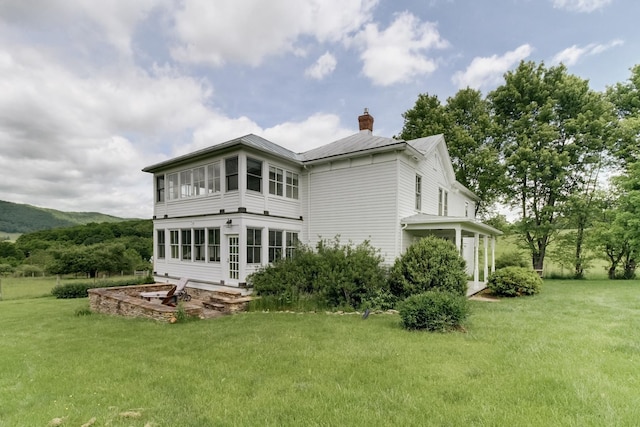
(125, 301)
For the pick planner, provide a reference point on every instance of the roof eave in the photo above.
(218, 148)
(400, 145)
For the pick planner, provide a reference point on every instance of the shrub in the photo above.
(512, 259)
(514, 282)
(433, 311)
(429, 264)
(79, 289)
(332, 276)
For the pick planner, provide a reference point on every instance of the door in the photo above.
(234, 258)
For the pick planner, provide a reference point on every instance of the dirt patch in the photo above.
(485, 295)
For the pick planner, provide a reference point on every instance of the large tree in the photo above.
(466, 124)
(553, 129)
(626, 98)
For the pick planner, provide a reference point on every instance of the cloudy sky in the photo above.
(91, 92)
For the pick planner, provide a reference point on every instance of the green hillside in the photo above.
(19, 218)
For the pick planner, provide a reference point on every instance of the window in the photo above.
(213, 178)
(186, 245)
(231, 173)
(199, 188)
(446, 203)
(174, 241)
(254, 174)
(174, 188)
(292, 242)
(418, 192)
(214, 244)
(443, 202)
(160, 188)
(186, 188)
(466, 209)
(275, 245)
(198, 244)
(254, 245)
(292, 185)
(276, 181)
(160, 244)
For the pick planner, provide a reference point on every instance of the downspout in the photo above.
(307, 217)
(402, 234)
(396, 249)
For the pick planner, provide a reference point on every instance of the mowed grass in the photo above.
(34, 287)
(568, 356)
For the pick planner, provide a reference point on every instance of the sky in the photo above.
(92, 92)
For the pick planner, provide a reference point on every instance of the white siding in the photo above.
(355, 199)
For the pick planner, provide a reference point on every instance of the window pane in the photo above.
(160, 188)
(160, 243)
(254, 246)
(214, 244)
(213, 178)
(292, 185)
(198, 181)
(186, 245)
(254, 174)
(231, 173)
(174, 189)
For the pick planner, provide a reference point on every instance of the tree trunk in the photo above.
(579, 267)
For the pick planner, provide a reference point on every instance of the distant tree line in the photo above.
(89, 249)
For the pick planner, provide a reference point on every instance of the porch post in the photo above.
(486, 258)
(459, 239)
(476, 272)
(493, 254)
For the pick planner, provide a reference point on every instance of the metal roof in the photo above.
(425, 221)
(427, 144)
(251, 140)
(361, 141)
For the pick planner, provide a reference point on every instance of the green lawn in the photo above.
(566, 357)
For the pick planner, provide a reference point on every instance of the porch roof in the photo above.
(432, 222)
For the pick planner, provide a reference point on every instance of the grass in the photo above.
(597, 268)
(34, 287)
(567, 356)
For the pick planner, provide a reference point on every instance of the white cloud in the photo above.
(314, 131)
(66, 140)
(398, 53)
(573, 54)
(215, 33)
(324, 66)
(484, 72)
(586, 6)
(112, 20)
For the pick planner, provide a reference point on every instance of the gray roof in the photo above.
(357, 143)
(251, 140)
(427, 144)
(361, 141)
(428, 222)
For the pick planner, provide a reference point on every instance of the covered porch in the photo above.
(466, 234)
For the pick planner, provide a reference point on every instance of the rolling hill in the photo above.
(20, 218)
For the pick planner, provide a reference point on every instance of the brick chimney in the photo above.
(366, 121)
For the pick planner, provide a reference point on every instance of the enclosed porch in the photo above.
(475, 240)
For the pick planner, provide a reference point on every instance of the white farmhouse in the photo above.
(222, 212)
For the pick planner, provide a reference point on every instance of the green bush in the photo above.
(429, 264)
(79, 289)
(433, 311)
(514, 282)
(512, 259)
(332, 276)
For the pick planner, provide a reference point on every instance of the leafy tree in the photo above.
(553, 129)
(626, 98)
(465, 121)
